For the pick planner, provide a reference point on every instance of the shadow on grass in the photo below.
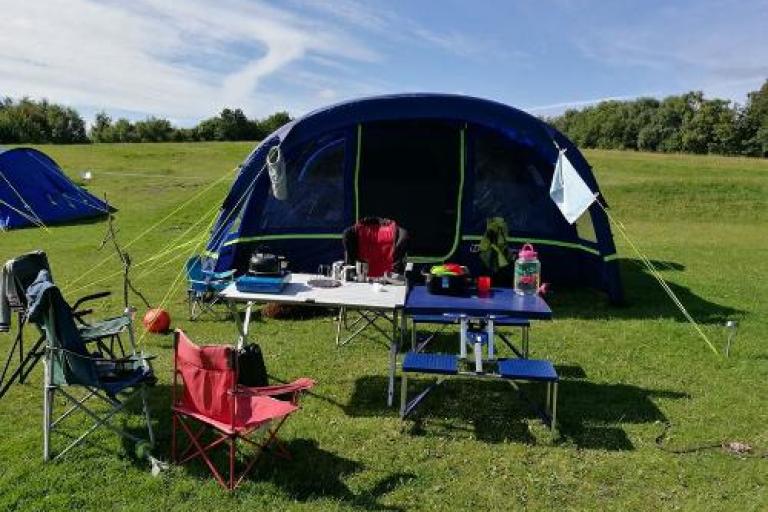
(317, 473)
(645, 298)
(589, 414)
(312, 473)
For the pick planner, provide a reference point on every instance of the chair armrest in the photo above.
(118, 360)
(87, 298)
(223, 275)
(301, 384)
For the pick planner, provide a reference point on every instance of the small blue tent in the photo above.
(440, 165)
(34, 191)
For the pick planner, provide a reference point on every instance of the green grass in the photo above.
(627, 372)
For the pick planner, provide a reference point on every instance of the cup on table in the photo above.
(483, 285)
(378, 287)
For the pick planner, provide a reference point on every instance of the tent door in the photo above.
(413, 172)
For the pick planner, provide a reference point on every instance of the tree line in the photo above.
(40, 122)
(688, 123)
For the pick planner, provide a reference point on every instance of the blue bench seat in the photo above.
(528, 369)
(419, 362)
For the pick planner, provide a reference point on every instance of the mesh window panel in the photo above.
(511, 182)
(315, 191)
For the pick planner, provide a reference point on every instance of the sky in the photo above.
(186, 60)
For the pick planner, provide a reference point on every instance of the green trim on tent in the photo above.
(287, 236)
(414, 259)
(570, 245)
(357, 170)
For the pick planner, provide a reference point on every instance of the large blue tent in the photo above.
(35, 192)
(440, 165)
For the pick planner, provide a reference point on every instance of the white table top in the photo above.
(353, 295)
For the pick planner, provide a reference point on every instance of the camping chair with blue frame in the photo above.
(69, 365)
(204, 287)
(21, 272)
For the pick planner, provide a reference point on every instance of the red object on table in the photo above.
(483, 285)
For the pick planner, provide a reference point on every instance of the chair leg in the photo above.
(145, 405)
(232, 454)
(47, 414)
(174, 426)
(47, 405)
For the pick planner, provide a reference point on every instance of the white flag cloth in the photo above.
(568, 190)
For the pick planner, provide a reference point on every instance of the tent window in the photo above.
(315, 191)
(511, 182)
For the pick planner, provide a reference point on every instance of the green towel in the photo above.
(493, 245)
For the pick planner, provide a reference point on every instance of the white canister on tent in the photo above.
(276, 168)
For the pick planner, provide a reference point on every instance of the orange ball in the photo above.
(157, 321)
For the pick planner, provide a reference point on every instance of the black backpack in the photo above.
(252, 370)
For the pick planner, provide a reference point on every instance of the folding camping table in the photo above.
(498, 303)
(353, 296)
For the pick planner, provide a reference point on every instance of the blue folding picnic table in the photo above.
(500, 306)
(497, 304)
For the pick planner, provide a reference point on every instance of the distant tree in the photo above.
(271, 123)
(153, 129)
(101, 129)
(208, 128)
(124, 131)
(688, 122)
(753, 123)
(233, 125)
(39, 122)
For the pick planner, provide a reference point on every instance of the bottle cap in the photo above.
(527, 252)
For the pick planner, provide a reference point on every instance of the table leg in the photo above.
(525, 341)
(393, 347)
(403, 327)
(478, 356)
(463, 337)
(491, 348)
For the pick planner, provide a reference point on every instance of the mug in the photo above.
(362, 271)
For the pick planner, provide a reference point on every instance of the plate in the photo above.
(324, 283)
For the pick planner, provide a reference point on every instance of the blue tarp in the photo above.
(34, 191)
(343, 159)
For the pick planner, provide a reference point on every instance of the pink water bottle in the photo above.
(527, 271)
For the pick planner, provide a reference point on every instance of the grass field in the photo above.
(629, 373)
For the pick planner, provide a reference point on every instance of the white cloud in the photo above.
(557, 108)
(183, 60)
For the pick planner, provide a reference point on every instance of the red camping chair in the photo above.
(211, 397)
(379, 242)
(382, 244)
